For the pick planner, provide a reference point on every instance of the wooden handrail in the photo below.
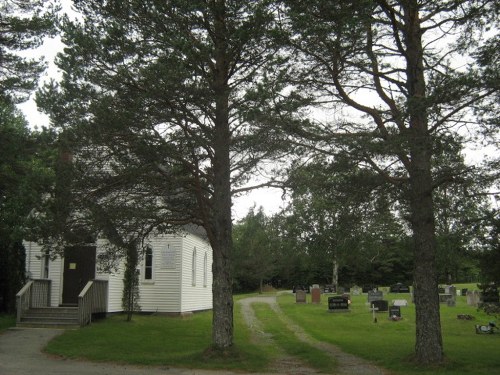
(36, 293)
(92, 299)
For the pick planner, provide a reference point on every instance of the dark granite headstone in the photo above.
(380, 305)
(395, 311)
(338, 304)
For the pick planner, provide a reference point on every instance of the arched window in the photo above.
(193, 267)
(205, 270)
(148, 263)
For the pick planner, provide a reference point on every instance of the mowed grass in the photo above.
(157, 340)
(7, 321)
(177, 342)
(390, 344)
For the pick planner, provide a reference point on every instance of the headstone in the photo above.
(356, 290)
(394, 312)
(399, 288)
(476, 297)
(441, 290)
(404, 289)
(472, 298)
(338, 304)
(399, 302)
(367, 288)
(375, 295)
(444, 298)
(451, 302)
(315, 294)
(464, 292)
(450, 289)
(300, 296)
(329, 289)
(380, 305)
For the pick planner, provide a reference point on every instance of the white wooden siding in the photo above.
(162, 293)
(34, 266)
(170, 291)
(115, 282)
(197, 296)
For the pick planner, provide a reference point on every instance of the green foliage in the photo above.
(24, 24)
(490, 257)
(254, 258)
(26, 175)
(340, 216)
(7, 321)
(131, 296)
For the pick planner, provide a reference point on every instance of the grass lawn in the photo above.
(7, 321)
(177, 342)
(160, 341)
(390, 344)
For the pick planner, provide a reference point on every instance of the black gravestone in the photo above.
(338, 304)
(399, 288)
(395, 311)
(380, 305)
(404, 289)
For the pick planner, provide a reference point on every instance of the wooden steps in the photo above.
(50, 317)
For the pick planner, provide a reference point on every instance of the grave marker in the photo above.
(338, 304)
(315, 294)
(375, 295)
(300, 296)
(380, 305)
(394, 312)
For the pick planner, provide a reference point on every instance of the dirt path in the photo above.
(347, 363)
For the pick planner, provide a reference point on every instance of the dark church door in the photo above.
(79, 268)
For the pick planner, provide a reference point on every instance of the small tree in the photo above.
(254, 256)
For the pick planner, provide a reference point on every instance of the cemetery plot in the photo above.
(338, 304)
(300, 296)
(375, 295)
(316, 294)
(399, 288)
(395, 312)
(380, 305)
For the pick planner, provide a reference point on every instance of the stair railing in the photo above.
(36, 293)
(92, 299)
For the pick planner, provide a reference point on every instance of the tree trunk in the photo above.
(335, 273)
(429, 344)
(222, 328)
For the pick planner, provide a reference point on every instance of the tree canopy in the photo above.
(154, 96)
(392, 66)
